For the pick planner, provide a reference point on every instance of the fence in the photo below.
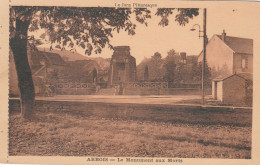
(161, 88)
(74, 85)
(75, 88)
(65, 80)
(147, 85)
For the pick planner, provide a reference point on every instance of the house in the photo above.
(45, 67)
(233, 90)
(231, 63)
(122, 66)
(41, 63)
(227, 55)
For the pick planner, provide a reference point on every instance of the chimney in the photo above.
(223, 36)
(183, 55)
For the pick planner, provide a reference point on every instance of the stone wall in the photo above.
(166, 91)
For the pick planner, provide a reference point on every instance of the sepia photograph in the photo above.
(131, 82)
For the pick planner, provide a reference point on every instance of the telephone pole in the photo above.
(204, 54)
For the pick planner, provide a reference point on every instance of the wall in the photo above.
(166, 91)
(238, 63)
(218, 55)
(234, 90)
(75, 91)
(214, 94)
(220, 90)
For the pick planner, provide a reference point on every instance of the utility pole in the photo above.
(204, 55)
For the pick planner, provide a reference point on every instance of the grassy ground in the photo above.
(69, 135)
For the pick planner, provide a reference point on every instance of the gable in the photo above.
(223, 78)
(38, 57)
(215, 43)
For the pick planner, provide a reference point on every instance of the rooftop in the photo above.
(239, 45)
(246, 76)
(47, 57)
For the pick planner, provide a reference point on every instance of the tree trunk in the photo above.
(18, 44)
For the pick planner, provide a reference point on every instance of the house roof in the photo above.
(47, 57)
(247, 76)
(83, 65)
(239, 45)
(222, 78)
(54, 58)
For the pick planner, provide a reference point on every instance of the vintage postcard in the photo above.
(130, 82)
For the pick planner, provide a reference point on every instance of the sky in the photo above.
(154, 38)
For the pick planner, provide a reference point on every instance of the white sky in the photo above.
(154, 38)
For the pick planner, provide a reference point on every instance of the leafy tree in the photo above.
(89, 28)
(170, 66)
(156, 66)
(198, 73)
(182, 18)
(180, 71)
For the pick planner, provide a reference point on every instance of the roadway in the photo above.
(152, 99)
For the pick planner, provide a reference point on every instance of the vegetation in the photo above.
(90, 28)
(174, 70)
(170, 66)
(68, 134)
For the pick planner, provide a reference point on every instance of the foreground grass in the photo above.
(70, 135)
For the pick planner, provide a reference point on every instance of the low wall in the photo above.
(75, 91)
(141, 91)
(159, 113)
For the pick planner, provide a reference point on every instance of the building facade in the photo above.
(227, 55)
(231, 63)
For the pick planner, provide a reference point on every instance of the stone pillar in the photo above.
(126, 70)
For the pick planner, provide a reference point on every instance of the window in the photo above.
(121, 65)
(244, 63)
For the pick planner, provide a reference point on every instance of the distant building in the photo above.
(183, 56)
(44, 66)
(42, 63)
(122, 66)
(227, 55)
